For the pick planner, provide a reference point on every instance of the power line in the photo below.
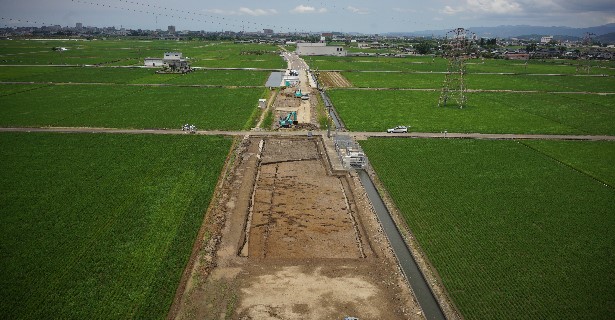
(183, 14)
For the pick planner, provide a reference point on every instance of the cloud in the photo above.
(244, 11)
(451, 11)
(219, 11)
(495, 6)
(585, 5)
(307, 9)
(485, 7)
(257, 12)
(404, 10)
(357, 10)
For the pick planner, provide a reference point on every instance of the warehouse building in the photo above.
(319, 49)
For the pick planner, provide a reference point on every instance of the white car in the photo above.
(305, 96)
(398, 129)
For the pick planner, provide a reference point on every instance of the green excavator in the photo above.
(289, 120)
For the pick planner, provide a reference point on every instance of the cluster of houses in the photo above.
(554, 53)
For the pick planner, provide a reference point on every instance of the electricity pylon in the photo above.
(455, 51)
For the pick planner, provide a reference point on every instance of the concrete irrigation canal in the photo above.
(424, 295)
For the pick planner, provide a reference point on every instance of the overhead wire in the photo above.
(183, 14)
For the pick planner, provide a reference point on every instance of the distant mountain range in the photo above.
(523, 31)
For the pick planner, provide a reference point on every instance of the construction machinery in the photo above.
(289, 120)
(298, 94)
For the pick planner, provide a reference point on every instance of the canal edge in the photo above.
(431, 275)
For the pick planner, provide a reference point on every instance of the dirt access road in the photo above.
(286, 102)
(287, 238)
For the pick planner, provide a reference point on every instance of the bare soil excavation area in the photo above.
(333, 79)
(288, 238)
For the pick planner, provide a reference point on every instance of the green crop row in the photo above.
(518, 82)
(118, 106)
(485, 112)
(100, 225)
(223, 78)
(425, 64)
(513, 231)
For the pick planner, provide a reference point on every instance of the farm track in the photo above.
(356, 135)
(472, 73)
(337, 83)
(484, 90)
(127, 67)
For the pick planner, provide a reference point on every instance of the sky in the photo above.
(363, 16)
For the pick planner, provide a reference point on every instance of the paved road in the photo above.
(356, 135)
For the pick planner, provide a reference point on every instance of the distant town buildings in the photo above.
(517, 56)
(314, 43)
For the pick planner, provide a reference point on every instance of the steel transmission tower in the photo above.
(456, 51)
(587, 39)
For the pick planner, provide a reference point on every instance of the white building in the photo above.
(174, 59)
(173, 55)
(546, 39)
(153, 62)
(319, 49)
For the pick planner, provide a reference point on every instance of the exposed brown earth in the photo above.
(335, 80)
(288, 238)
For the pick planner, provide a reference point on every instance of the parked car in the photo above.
(305, 96)
(398, 129)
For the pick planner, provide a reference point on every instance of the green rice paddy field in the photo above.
(521, 113)
(46, 74)
(103, 225)
(514, 229)
(36, 93)
(100, 226)
(120, 106)
(132, 52)
(436, 64)
(519, 82)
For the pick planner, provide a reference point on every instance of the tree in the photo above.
(423, 47)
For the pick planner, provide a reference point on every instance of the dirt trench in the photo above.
(293, 240)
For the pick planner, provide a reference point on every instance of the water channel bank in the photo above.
(423, 293)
